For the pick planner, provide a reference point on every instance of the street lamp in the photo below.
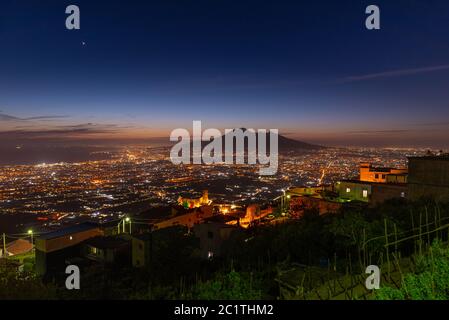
(127, 219)
(30, 232)
(123, 222)
(285, 198)
(282, 201)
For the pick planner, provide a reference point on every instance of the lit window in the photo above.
(348, 190)
(365, 193)
(402, 194)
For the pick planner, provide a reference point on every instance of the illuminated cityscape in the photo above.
(135, 179)
(210, 151)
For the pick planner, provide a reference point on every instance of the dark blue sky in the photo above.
(309, 68)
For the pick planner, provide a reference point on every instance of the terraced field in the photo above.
(312, 283)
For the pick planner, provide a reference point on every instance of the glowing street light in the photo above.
(30, 232)
(123, 223)
(284, 199)
(127, 219)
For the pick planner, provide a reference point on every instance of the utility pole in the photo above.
(30, 232)
(4, 244)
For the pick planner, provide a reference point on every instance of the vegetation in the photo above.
(24, 286)
(430, 281)
(230, 286)
(330, 252)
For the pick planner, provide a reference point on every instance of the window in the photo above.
(365, 193)
(384, 176)
(377, 176)
(210, 235)
(402, 194)
(348, 190)
(93, 250)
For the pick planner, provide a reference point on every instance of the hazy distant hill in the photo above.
(287, 144)
(284, 144)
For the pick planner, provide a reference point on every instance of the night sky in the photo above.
(140, 69)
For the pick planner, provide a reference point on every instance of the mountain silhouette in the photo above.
(284, 144)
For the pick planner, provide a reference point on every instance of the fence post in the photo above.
(420, 232)
(395, 240)
(386, 246)
(413, 229)
(427, 227)
(364, 247)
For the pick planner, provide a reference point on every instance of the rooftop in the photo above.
(19, 246)
(85, 226)
(380, 169)
(374, 183)
(220, 219)
(443, 157)
(106, 242)
(143, 236)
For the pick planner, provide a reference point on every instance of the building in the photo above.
(370, 192)
(141, 250)
(386, 191)
(17, 247)
(52, 249)
(309, 191)
(354, 190)
(368, 173)
(153, 247)
(375, 185)
(323, 199)
(188, 218)
(429, 177)
(195, 202)
(211, 236)
(300, 204)
(253, 214)
(108, 250)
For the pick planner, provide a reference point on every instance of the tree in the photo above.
(24, 286)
